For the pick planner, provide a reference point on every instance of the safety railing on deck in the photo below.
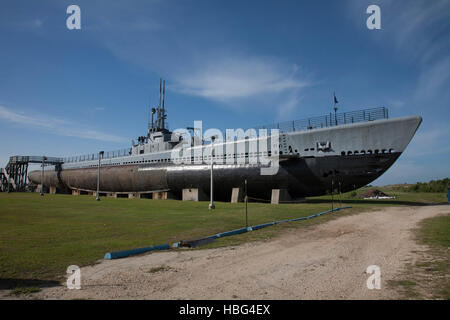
(34, 159)
(94, 156)
(330, 120)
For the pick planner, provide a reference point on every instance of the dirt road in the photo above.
(326, 261)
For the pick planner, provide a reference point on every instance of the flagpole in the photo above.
(335, 109)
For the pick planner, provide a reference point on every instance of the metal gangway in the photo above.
(14, 177)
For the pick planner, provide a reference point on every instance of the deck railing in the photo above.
(330, 120)
(94, 156)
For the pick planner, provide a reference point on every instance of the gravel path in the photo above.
(326, 261)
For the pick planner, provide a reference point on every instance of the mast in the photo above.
(163, 115)
(158, 116)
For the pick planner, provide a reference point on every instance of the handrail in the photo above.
(330, 120)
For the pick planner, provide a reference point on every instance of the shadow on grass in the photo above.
(362, 201)
(9, 283)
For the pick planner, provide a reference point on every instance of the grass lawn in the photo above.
(41, 236)
(430, 276)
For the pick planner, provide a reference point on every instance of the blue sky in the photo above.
(229, 63)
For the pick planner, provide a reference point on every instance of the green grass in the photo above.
(41, 236)
(406, 288)
(24, 291)
(435, 232)
(430, 276)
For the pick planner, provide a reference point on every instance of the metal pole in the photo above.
(332, 191)
(211, 204)
(100, 154)
(246, 205)
(42, 176)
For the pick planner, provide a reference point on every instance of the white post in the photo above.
(42, 176)
(100, 154)
(211, 204)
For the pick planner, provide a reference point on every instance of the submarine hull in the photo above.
(301, 177)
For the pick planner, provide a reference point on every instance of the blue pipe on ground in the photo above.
(127, 253)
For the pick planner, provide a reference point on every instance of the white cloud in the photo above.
(232, 78)
(57, 126)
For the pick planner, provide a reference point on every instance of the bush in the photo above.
(432, 186)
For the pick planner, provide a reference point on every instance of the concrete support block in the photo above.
(163, 195)
(194, 194)
(280, 195)
(134, 195)
(237, 195)
(52, 190)
(75, 192)
(157, 195)
(38, 189)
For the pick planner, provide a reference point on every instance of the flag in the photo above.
(335, 99)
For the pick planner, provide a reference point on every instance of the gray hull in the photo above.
(359, 154)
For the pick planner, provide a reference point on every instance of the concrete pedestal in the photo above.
(237, 195)
(194, 194)
(38, 189)
(75, 192)
(280, 195)
(134, 195)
